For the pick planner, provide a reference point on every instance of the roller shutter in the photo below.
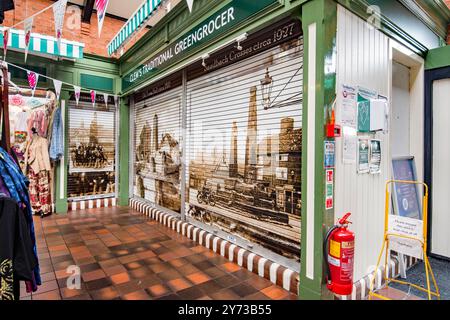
(92, 149)
(157, 159)
(244, 148)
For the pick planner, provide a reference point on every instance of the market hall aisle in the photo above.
(124, 255)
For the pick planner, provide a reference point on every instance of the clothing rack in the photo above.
(5, 142)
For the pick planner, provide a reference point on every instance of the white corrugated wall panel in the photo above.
(363, 58)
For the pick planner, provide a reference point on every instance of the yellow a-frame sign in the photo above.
(419, 239)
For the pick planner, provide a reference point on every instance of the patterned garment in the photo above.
(17, 185)
(6, 280)
(17, 259)
(40, 191)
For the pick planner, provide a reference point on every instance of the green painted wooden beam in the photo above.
(124, 153)
(438, 58)
(322, 13)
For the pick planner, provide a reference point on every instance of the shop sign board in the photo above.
(219, 23)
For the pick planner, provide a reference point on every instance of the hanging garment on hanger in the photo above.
(36, 154)
(17, 185)
(17, 260)
(37, 162)
(40, 196)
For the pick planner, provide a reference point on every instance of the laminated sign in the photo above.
(407, 227)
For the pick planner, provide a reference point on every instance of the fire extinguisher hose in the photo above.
(325, 252)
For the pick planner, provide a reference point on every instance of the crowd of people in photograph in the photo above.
(89, 155)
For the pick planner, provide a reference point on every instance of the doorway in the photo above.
(438, 154)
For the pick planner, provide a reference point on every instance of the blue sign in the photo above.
(330, 154)
(406, 196)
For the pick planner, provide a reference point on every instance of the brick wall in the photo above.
(73, 29)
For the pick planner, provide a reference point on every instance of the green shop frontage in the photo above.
(220, 130)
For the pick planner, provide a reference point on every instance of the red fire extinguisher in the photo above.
(339, 251)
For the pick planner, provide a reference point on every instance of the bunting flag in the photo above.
(33, 78)
(59, 10)
(58, 85)
(93, 96)
(77, 94)
(5, 41)
(101, 6)
(116, 101)
(28, 27)
(105, 97)
(190, 4)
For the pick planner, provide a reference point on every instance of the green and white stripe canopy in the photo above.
(42, 44)
(136, 21)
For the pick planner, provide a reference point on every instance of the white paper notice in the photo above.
(349, 145)
(377, 115)
(408, 227)
(348, 115)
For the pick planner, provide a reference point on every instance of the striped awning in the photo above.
(134, 24)
(42, 44)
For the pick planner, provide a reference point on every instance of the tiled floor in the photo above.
(124, 255)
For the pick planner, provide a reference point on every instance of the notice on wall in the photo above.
(329, 154)
(349, 145)
(363, 155)
(375, 157)
(348, 106)
(378, 110)
(329, 189)
(365, 96)
(406, 227)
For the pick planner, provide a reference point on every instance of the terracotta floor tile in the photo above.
(198, 278)
(225, 294)
(137, 295)
(158, 290)
(275, 293)
(179, 284)
(50, 295)
(93, 275)
(120, 278)
(115, 270)
(67, 293)
(47, 286)
(231, 267)
(108, 293)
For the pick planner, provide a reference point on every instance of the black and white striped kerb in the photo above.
(92, 204)
(361, 288)
(277, 274)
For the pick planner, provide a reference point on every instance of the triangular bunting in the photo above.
(105, 97)
(33, 79)
(59, 9)
(190, 4)
(116, 101)
(28, 28)
(101, 6)
(93, 96)
(77, 93)
(58, 85)
(5, 42)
